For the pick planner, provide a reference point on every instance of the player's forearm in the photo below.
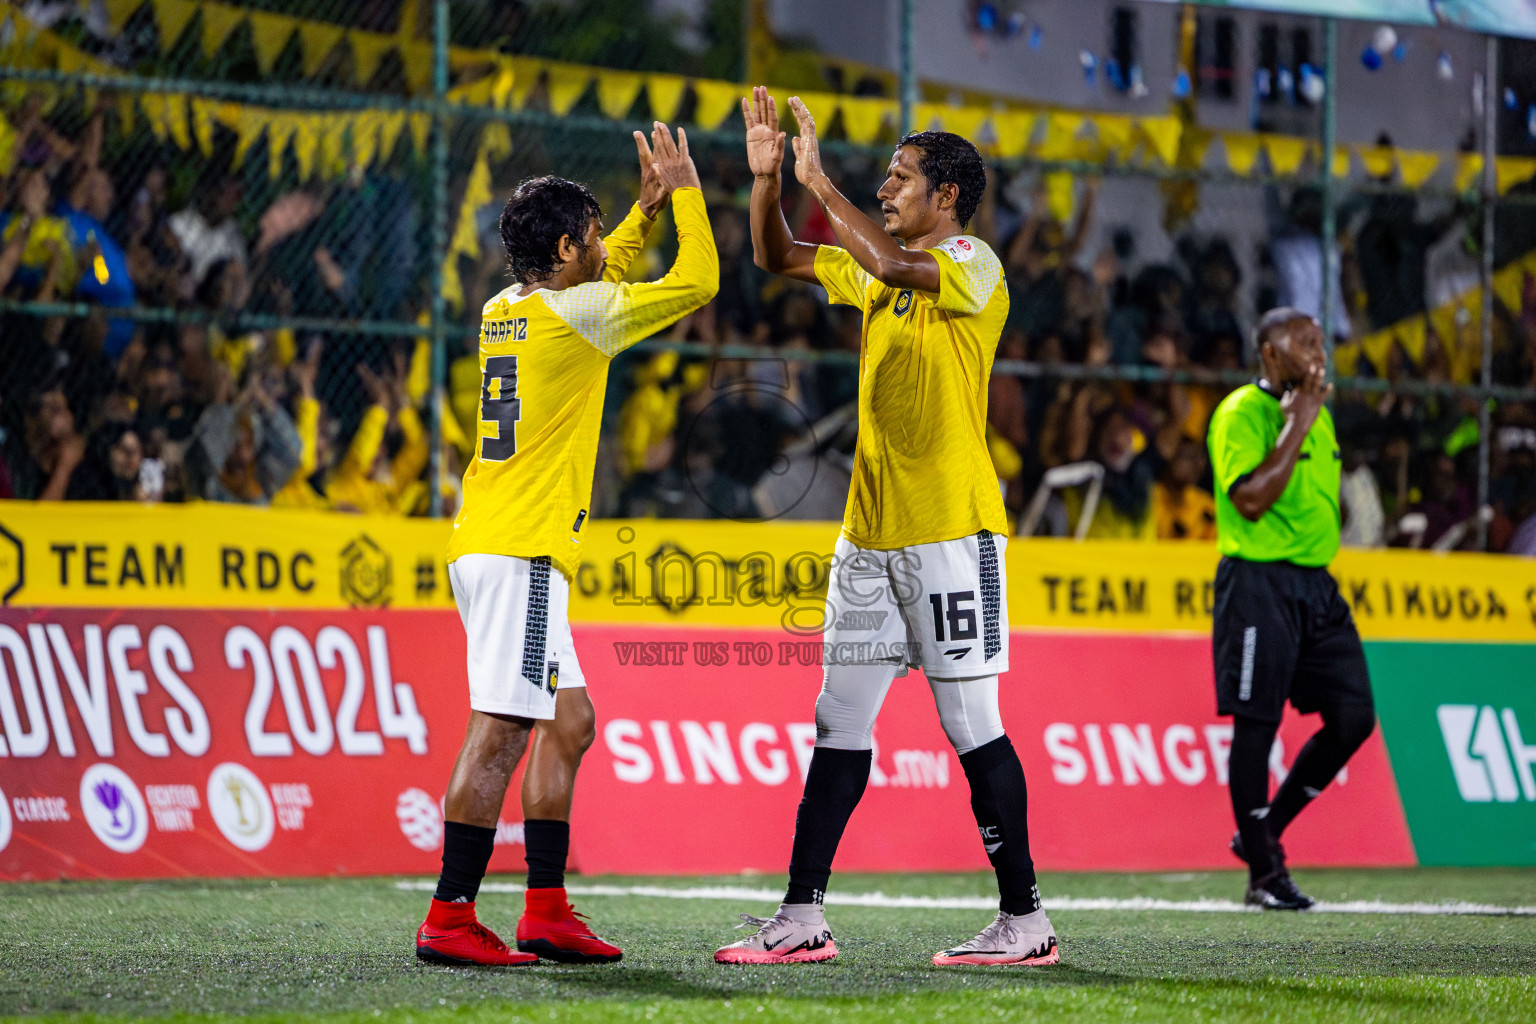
(626, 241)
(774, 248)
(1254, 496)
(697, 266)
(877, 252)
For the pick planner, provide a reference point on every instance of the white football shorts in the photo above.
(942, 607)
(518, 636)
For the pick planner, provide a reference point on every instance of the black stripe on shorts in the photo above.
(991, 595)
(536, 624)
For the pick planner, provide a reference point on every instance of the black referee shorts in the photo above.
(1283, 632)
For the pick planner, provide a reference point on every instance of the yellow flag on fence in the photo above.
(416, 59)
(1014, 129)
(306, 142)
(964, 121)
(1242, 152)
(1116, 133)
(1340, 162)
(391, 123)
(714, 101)
(202, 124)
(1059, 195)
(218, 22)
(1514, 170)
(368, 48)
(319, 38)
(1375, 347)
(566, 84)
(119, 11)
(1411, 335)
(280, 129)
(665, 94)
(1060, 142)
(421, 128)
(617, 91)
(1415, 168)
(1163, 134)
(502, 85)
(862, 117)
(1509, 286)
(1377, 160)
(1468, 167)
(365, 139)
(172, 17)
(249, 125)
(1285, 154)
(496, 141)
(269, 34)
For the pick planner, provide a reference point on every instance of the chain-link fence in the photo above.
(246, 244)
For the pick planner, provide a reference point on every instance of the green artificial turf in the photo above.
(340, 950)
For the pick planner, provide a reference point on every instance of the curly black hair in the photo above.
(540, 211)
(946, 158)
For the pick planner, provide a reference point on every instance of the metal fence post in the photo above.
(908, 66)
(1330, 261)
(1490, 198)
(440, 126)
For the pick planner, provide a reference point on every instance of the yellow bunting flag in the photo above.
(391, 124)
(1340, 162)
(617, 91)
(280, 129)
(1415, 168)
(1060, 142)
(1285, 154)
(965, 121)
(501, 86)
(525, 75)
(249, 125)
(1509, 286)
(714, 101)
(1468, 167)
(1163, 134)
(306, 142)
(269, 34)
(926, 116)
(1060, 197)
(496, 141)
(1116, 134)
(421, 129)
(218, 22)
(365, 140)
(1377, 160)
(368, 49)
(202, 124)
(318, 38)
(176, 121)
(1376, 347)
(1242, 152)
(119, 11)
(566, 84)
(1513, 170)
(1411, 335)
(665, 94)
(1346, 359)
(172, 17)
(417, 58)
(862, 117)
(1014, 130)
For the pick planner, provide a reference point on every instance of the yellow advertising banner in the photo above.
(679, 572)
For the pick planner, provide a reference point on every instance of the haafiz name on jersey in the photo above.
(705, 753)
(1490, 759)
(153, 680)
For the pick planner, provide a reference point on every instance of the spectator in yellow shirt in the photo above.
(367, 480)
(1183, 510)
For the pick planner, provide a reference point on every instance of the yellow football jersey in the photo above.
(543, 370)
(921, 470)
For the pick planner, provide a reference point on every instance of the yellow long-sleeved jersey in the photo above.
(297, 493)
(544, 367)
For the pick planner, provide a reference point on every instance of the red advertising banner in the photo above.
(163, 743)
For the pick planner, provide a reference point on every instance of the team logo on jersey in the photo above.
(552, 678)
(903, 302)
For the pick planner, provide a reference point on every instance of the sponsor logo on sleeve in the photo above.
(959, 248)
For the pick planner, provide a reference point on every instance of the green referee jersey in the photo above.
(1302, 526)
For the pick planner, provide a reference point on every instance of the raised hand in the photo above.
(653, 190)
(765, 143)
(807, 148)
(1302, 403)
(671, 160)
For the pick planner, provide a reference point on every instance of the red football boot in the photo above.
(451, 935)
(551, 929)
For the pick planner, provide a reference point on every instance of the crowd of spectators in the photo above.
(201, 408)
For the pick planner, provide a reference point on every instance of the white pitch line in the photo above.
(880, 899)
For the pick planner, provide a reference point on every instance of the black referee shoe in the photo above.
(1277, 892)
(1236, 846)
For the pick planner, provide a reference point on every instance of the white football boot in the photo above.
(796, 934)
(1013, 940)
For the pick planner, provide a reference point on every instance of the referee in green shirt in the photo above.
(1281, 630)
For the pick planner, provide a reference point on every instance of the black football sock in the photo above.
(1345, 728)
(547, 844)
(1000, 801)
(833, 786)
(466, 852)
(1248, 774)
